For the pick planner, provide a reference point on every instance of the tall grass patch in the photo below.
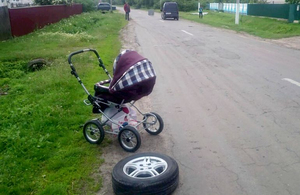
(262, 27)
(42, 148)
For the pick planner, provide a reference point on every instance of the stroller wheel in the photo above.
(153, 123)
(93, 132)
(129, 139)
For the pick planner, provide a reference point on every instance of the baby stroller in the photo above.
(133, 78)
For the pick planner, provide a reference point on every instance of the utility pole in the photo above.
(110, 5)
(6, 3)
(237, 12)
(160, 4)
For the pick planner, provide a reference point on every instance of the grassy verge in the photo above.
(257, 26)
(42, 148)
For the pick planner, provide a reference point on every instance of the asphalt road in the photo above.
(230, 103)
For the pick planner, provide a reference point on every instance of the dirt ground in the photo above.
(292, 42)
(113, 153)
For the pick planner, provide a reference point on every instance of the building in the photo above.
(15, 3)
(276, 1)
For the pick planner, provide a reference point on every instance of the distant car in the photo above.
(170, 10)
(103, 6)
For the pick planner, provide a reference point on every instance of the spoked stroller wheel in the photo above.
(129, 139)
(93, 132)
(153, 123)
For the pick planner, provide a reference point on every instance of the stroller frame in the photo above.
(94, 130)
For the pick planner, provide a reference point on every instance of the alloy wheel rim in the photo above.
(145, 167)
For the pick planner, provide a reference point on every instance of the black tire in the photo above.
(144, 182)
(36, 64)
(93, 132)
(151, 128)
(129, 139)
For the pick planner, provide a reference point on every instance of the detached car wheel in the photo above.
(145, 174)
(36, 64)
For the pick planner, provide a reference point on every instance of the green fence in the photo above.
(285, 11)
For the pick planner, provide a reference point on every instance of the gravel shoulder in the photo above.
(292, 42)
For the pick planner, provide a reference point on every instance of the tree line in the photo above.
(184, 5)
(87, 5)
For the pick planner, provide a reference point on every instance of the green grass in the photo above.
(42, 148)
(257, 26)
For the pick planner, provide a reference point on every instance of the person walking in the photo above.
(200, 12)
(127, 10)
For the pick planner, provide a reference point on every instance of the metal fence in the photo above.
(274, 10)
(284, 11)
(229, 7)
(27, 19)
(5, 30)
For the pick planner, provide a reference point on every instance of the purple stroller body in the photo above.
(133, 78)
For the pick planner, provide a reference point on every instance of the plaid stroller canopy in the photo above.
(133, 76)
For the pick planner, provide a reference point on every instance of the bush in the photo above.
(188, 6)
(138, 6)
(43, 2)
(87, 5)
(156, 5)
(57, 2)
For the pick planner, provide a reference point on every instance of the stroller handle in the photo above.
(81, 51)
(86, 50)
(73, 72)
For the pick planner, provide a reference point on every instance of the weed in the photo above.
(42, 149)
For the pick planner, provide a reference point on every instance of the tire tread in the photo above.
(161, 185)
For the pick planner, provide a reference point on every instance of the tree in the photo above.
(292, 1)
(87, 5)
(57, 2)
(43, 2)
(53, 2)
